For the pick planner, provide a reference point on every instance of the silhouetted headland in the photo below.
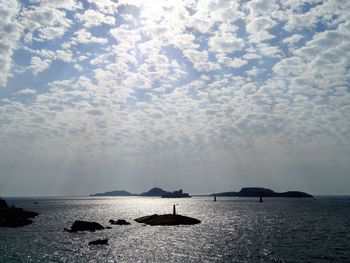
(263, 192)
(14, 216)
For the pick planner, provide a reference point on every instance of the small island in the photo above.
(176, 194)
(263, 192)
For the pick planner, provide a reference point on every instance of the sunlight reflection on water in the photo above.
(232, 230)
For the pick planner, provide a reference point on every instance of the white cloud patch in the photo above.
(26, 91)
(10, 32)
(38, 65)
(259, 27)
(91, 18)
(85, 37)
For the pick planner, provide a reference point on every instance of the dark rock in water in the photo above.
(14, 216)
(84, 226)
(167, 220)
(119, 222)
(99, 242)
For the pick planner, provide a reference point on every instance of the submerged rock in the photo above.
(84, 226)
(119, 222)
(14, 216)
(99, 242)
(167, 220)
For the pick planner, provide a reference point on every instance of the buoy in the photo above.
(174, 210)
(261, 199)
(214, 198)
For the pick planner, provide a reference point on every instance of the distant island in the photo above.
(156, 191)
(244, 192)
(263, 192)
(176, 194)
(114, 193)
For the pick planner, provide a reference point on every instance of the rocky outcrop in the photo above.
(14, 216)
(84, 226)
(99, 242)
(167, 220)
(119, 222)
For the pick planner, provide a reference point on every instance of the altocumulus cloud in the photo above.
(208, 95)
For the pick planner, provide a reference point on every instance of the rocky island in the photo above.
(167, 220)
(79, 225)
(14, 216)
(263, 192)
(176, 194)
(114, 193)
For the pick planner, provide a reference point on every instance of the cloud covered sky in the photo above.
(207, 95)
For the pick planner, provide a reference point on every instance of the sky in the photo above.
(207, 96)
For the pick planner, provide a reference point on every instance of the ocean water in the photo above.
(232, 230)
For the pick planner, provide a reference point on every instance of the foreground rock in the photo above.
(99, 242)
(119, 222)
(14, 216)
(84, 226)
(167, 220)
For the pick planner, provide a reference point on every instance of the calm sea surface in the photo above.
(232, 230)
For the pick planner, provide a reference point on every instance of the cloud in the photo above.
(85, 37)
(26, 91)
(47, 19)
(91, 18)
(225, 42)
(259, 27)
(10, 32)
(38, 65)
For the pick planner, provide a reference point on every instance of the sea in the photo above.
(231, 230)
